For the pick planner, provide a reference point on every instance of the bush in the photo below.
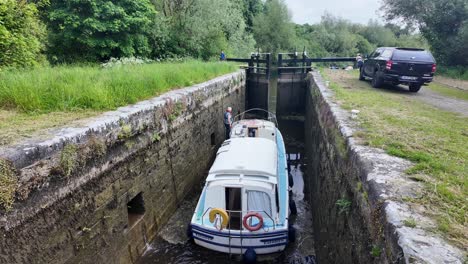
(96, 30)
(21, 34)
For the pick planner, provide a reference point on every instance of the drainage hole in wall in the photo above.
(213, 139)
(135, 209)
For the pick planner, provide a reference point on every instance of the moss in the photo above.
(8, 184)
(176, 111)
(366, 196)
(172, 110)
(156, 137)
(69, 159)
(340, 143)
(125, 132)
(129, 144)
(97, 147)
(359, 187)
(410, 222)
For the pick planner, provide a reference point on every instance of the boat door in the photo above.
(234, 207)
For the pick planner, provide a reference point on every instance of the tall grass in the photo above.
(458, 72)
(70, 88)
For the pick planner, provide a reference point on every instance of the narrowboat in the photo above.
(244, 206)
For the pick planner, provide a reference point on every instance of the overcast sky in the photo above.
(310, 11)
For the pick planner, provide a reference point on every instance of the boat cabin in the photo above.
(243, 179)
(254, 128)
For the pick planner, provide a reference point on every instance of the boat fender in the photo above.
(224, 217)
(292, 207)
(189, 232)
(255, 227)
(292, 234)
(250, 256)
(290, 180)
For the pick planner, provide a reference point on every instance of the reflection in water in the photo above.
(171, 245)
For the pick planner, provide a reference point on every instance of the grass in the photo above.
(448, 91)
(74, 88)
(34, 101)
(436, 141)
(16, 125)
(459, 72)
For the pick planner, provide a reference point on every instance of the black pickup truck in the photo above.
(413, 67)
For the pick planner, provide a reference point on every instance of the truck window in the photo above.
(413, 55)
(376, 53)
(387, 54)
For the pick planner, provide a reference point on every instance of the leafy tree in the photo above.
(273, 29)
(443, 23)
(202, 28)
(93, 30)
(250, 9)
(21, 34)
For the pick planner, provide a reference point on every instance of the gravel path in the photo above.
(445, 103)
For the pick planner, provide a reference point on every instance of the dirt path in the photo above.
(442, 102)
(459, 106)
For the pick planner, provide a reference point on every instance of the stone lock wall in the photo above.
(357, 194)
(72, 194)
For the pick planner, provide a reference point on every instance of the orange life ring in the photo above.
(255, 227)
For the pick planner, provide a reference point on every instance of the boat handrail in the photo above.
(271, 117)
(242, 212)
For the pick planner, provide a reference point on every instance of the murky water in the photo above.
(172, 246)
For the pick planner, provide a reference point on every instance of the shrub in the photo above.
(21, 34)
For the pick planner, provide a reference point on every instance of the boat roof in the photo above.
(250, 158)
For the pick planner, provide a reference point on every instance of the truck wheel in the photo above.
(377, 80)
(361, 75)
(414, 87)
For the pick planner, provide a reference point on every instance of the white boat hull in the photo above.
(236, 243)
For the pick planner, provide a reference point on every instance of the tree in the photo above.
(443, 23)
(273, 29)
(202, 28)
(95, 30)
(21, 34)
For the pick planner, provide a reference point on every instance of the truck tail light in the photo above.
(389, 64)
(434, 68)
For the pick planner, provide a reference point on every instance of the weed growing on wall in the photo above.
(8, 183)
(343, 206)
(69, 159)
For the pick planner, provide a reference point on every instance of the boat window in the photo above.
(234, 207)
(253, 131)
(260, 177)
(258, 201)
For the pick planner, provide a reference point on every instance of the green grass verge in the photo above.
(448, 91)
(436, 141)
(74, 88)
(459, 72)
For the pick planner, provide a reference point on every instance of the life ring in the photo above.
(224, 216)
(255, 227)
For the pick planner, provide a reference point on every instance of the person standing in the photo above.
(222, 56)
(228, 122)
(359, 61)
